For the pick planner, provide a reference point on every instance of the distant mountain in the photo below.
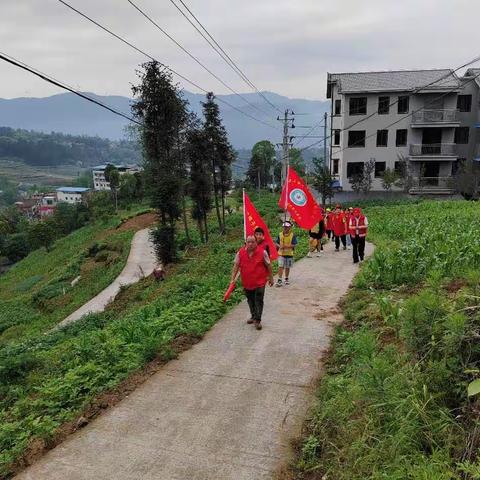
(67, 113)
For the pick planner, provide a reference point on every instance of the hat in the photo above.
(286, 224)
(329, 209)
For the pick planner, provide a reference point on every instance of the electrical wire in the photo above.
(195, 59)
(220, 51)
(417, 90)
(151, 57)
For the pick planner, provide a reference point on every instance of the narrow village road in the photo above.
(140, 263)
(227, 408)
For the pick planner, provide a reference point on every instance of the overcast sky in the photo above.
(285, 46)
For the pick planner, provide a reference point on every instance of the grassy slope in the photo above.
(393, 404)
(45, 381)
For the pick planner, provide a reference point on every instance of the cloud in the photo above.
(283, 45)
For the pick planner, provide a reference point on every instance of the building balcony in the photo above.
(436, 151)
(435, 118)
(433, 186)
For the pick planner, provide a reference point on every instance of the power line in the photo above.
(153, 22)
(220, 51)
(24, 66)
(417, 90)
(412, 113)
(131, 45)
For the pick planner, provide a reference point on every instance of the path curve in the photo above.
(140, 263)
(227, 408)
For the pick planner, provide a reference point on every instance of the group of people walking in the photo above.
(347, 227)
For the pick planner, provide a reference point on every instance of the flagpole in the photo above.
(244, 218)
(286, 194)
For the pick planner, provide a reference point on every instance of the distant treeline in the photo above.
(49, 149)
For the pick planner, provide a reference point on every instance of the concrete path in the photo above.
(225, 409)
(140, 263)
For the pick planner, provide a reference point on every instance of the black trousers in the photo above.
(255, 302)
(358, 247)
(337, 241)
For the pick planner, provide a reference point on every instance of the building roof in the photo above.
(473, 72)
(72, 189)
(388, 81)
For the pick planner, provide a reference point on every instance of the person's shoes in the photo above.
(250, 321)
(361, 259)
(309, 255)
(349, 247)
(287, 281)
(355, 261)
(318, 254)
(258, 325)
(279, 283)
(344, 248)
(337, 250)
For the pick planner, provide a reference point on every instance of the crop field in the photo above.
(393, 403)
(47, 380)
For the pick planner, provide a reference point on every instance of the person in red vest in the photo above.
(358, 227)
(255, 269)
(339, 228)
(260, 238)
(348, 214)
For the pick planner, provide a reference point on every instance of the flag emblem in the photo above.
(298, 197)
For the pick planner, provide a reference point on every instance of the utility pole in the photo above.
(325, 118)
(286, 144)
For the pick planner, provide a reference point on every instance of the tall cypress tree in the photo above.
(163, 112)
(221, 156)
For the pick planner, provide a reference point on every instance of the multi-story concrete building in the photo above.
(72, 195)
(426, 118)
(98, 172)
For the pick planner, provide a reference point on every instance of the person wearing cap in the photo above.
(255, 269)
(285, 243)
(348, 214)
(339, 228)
(358, 227)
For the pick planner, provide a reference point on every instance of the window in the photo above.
(401, 139)
(379, 169)
(354, 168)
(358, 106)
(403, 104)
(356, 138)
(382, 138)
(338, 107)
(383, 105)
(464, 103)
(456, 165)
(336, 137)
(335, 166)
(461, 135)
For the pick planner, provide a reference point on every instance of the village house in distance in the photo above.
(98, 172)
(437, 129)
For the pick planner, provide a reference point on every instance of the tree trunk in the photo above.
(223, 208)
(215, 195)
(185, 223)
(206, 227)
(200, 229)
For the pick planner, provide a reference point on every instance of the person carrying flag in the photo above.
(255, 269)
(285, 243)
(358, 227)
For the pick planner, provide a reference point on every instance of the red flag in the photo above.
(229, 291)
(299, 201)
(252, 220)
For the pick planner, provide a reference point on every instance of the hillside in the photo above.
(71, 115)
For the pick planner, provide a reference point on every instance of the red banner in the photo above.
(252, 220)
(297, 199)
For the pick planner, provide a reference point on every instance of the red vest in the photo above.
(339, 224)
(253, 270)
(358, 223)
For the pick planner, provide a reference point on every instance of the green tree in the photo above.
(201, 188)
(221, 155)
(15, 246)
(112, 176)
(262, 162)
(41, 234)
(389, 179)
(322, 179)
(161, 109)
(296, 161)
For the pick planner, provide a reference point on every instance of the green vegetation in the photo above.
(46, 380)
(393, 403)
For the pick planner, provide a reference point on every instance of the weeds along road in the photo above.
(140, 263)
(227, 408)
